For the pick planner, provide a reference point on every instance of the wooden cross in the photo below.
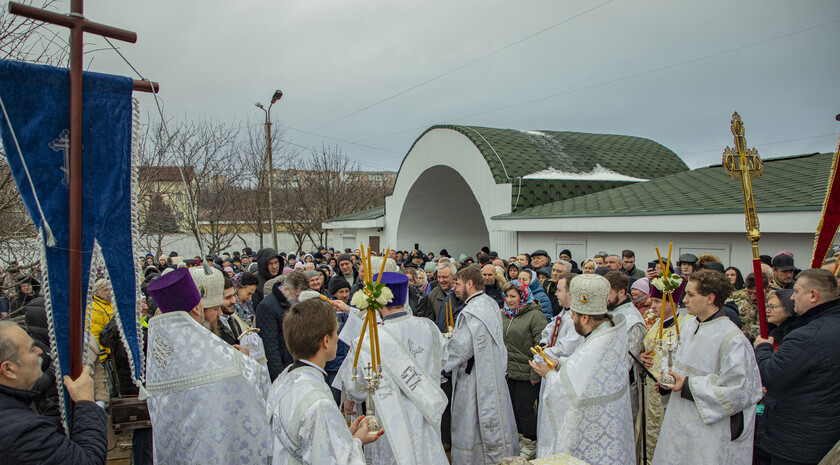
(78, 25)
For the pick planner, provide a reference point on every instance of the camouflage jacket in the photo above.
(748, 312)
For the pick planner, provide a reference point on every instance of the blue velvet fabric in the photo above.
(37, 100)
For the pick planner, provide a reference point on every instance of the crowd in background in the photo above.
(529, 288)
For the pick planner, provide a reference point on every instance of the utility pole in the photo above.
(278, 94)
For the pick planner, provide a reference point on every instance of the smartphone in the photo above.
(416, 246)
(652, 265)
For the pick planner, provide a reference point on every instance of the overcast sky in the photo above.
(669, 70)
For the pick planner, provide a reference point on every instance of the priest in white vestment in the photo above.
(206, 399)
(409, 401)
(710, 410)
(652, 357)
(483, 425)
(620, 303)
(585, 407)
(307, 426)
(559, 338)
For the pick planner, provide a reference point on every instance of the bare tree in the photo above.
(256, 168)
(216, 189)
(23, 39)
(329, 184)
(27, 40)
(158, 188)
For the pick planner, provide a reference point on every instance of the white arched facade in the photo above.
(444, 197)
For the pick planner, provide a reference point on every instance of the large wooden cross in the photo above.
(744, 164)
(78, 25)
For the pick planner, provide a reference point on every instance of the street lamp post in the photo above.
(278, 94)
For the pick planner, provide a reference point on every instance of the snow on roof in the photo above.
(534, 133)
(599, 173)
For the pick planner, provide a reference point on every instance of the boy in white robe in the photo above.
(710, 410)
(307, 427)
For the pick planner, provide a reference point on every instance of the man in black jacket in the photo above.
(491, 287)
(802, 404)
(269, 266)
(229, 328)
(27, 437)
(269, 319)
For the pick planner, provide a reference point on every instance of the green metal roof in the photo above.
(792, 183)
(370, 214)
(511, 153)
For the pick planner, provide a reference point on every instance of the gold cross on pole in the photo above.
(741, 162)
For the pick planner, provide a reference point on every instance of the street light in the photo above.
(278, 94)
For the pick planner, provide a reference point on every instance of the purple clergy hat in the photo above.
(175, 291)
(398, 284)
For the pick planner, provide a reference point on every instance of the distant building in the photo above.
(163, 185)
(464, 187)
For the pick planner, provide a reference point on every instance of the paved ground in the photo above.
(121, 454)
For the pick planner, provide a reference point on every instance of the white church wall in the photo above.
(431, 204)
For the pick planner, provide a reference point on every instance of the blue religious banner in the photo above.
(34, 128)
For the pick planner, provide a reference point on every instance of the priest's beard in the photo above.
(212, 327)
(612, 304)
(579, 327)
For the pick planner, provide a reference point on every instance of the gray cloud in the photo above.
(768, 60)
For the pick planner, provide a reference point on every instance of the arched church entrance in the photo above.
(441, 212)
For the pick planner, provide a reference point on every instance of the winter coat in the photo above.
(457, 306)
(551, 291)
(419, 302)
(342, 348)
(495, 292)
(269, 320)
(46, 403)
(802, 405)
(110, 338)
(263, 276)
(540, 295)
(101, 313)
(28, 437)
(436, 298)
(522, 332)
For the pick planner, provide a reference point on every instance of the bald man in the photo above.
(491, 286)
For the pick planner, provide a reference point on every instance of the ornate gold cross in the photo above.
(741, 162)
(745, 164)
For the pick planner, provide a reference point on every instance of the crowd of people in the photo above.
(261, 357)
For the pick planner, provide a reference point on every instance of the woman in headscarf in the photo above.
(640, 293)
(522, 325)
(588, 266)
(423, 282)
